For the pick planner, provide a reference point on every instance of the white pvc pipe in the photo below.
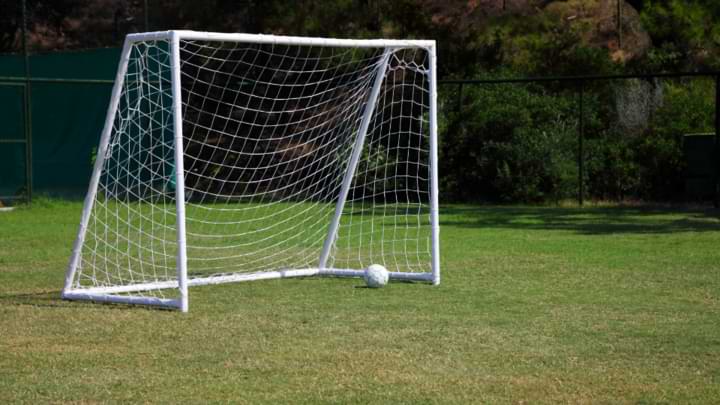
(117, 289)
(121, 299)
(266, 275)
(151, 36)
(434, 205)
(179, 172)
(236, 278)
(354, 159)
(99, 162)
(282, 40)
(394, 275)
(210, 280)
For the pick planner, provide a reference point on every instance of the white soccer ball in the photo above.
(376, 276)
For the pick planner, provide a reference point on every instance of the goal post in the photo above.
(179, 171)
(354, 159)
(239, 157)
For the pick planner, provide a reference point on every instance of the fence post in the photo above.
(27, 105)
(146, 16)
(716, 180)
(459, 98)
(619, 24)
(581, 135)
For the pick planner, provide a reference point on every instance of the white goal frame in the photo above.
(115, 293)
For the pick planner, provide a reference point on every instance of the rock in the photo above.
(636, 101)
(597, 20)
(464, 14)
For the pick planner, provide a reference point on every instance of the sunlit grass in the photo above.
(603, 304)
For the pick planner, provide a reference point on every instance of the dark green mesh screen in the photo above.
(67, 118)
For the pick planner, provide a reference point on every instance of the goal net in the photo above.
(237, 157)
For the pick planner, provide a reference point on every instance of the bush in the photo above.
(507, 143)
(518, 142)
(611, 170)
(648, 165)
(688, 108)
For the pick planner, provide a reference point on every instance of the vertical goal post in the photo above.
(239, 157)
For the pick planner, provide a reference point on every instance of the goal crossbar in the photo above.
(280, 39)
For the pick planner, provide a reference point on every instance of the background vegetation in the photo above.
(499, 142)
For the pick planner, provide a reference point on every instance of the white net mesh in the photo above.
(131, 235)
(386, 219)
(268, 131)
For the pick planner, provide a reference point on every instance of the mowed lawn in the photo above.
(536, 305)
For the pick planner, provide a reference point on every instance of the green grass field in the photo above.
(594, 305)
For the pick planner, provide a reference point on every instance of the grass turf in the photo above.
(608, 304)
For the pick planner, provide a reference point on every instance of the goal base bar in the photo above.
(394, 275)
(108, 294)
(121, 299)
(217, 279)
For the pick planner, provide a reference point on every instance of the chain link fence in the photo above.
(603, 138)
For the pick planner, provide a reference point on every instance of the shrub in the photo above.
(688, 108)
(508, 143)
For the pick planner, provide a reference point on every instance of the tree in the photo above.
(685, 33)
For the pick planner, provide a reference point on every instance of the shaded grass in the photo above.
(609, 305)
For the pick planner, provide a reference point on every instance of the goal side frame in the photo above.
(173, 38)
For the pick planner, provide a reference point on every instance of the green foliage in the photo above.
(685, 33)
(545, 45)
(341, 18)
(688, 108)
(519, 142)
(509, 143)
(611, 170)
(649, 165)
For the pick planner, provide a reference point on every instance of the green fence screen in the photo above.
(67, 118)
(12, 139)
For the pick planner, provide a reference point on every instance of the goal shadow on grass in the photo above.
(51, 299)
(586, 221)
(365, 286)
(37, 299)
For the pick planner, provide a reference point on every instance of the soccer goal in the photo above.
(238, 157)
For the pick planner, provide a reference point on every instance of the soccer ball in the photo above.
(376, 276)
